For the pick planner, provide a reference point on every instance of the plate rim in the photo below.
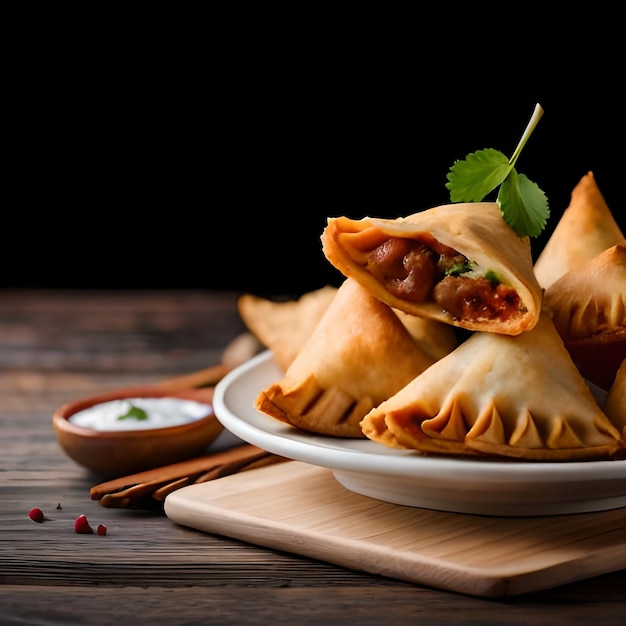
(302, 446)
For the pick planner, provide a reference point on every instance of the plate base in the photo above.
(407, 493)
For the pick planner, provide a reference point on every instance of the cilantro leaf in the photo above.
(481, 172)
(134, 413)
(523, 205)
(527, 204)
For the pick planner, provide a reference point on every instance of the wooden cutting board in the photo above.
(301, 508)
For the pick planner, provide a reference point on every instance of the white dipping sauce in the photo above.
(159, 412)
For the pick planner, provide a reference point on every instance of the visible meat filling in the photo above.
(476, 298)
(417, 271)
(407, 268)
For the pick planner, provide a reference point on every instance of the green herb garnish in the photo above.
(523, 205)
(492, 277)
(459, 268)
(134, 413)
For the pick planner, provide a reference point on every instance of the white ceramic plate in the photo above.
(476, 486)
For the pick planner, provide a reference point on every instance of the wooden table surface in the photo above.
(56, 346)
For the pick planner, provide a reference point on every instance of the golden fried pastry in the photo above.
(284, 326)
(615, 402)
(588, 308)
(519, 397)
(359, 354)
(586, 228)
(435, 338)
(460, 264)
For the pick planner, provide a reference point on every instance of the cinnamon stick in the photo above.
(169, 473)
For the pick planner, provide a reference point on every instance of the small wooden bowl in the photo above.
(112, 454)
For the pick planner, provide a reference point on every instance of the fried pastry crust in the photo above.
(586, 228)
(615, 402)
(588, 308)
(284, 326)
(359, 354)
(519, 397)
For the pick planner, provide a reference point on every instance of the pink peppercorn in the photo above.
(81, 526)
(36, 515)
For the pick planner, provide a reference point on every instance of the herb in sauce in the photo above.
(134, 412)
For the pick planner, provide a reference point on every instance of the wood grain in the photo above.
(58, 346)
(478, 555)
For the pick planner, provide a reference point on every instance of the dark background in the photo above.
(153, 172)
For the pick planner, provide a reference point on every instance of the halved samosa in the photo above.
(588, 308)
(359, 354)
(615, 402)
(519, 397)
(586, 228)
(460, 264)
(283, 326)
